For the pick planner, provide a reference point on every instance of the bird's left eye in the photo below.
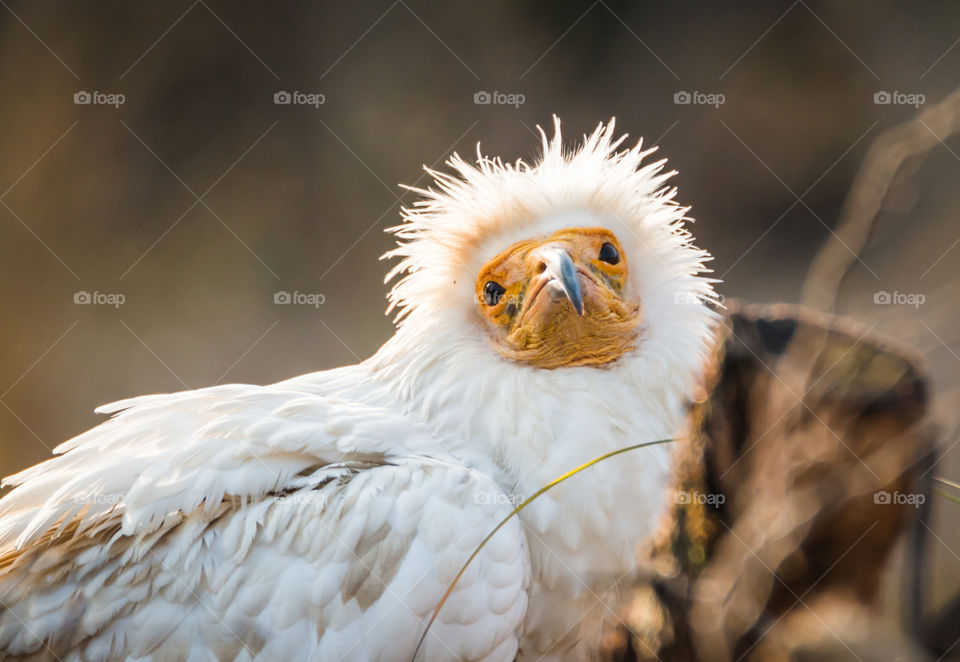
(492, 292)
(609, 254)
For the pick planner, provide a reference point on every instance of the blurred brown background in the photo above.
(198, 198)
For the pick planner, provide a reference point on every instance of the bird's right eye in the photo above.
(609, 254)
(492, 292)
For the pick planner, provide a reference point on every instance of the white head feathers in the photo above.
(478, 210)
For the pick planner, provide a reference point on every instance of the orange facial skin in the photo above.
(534, 318)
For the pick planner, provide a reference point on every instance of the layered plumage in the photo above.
(323, 517)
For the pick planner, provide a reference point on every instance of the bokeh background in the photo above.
(198, 198)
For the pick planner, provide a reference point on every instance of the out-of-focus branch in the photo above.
(791, 562)
(887, 154)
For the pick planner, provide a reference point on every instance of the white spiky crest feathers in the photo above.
(449, 233)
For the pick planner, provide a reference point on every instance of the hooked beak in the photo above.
(561, 274)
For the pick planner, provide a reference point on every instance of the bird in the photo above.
(545, 313)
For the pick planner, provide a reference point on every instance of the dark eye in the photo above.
(609, 254)
(492, 292)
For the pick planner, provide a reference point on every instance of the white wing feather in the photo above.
(255, 523)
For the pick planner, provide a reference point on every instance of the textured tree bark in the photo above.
(802, 472)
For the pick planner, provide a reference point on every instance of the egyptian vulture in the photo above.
(546, 314)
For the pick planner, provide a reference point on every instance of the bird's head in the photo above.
(576, 261)
(560, 300)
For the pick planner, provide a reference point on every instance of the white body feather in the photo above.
(323, 517)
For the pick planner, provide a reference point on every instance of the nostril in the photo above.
(541, 267)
